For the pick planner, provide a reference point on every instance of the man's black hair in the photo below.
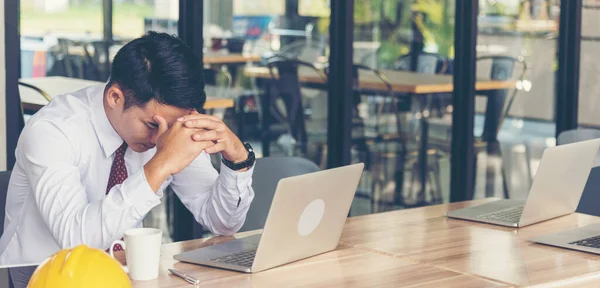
(162, 67)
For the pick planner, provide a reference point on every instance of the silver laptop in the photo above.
(585, 239)
(556, 189)
(306, 218)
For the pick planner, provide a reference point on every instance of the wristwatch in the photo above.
(244, 164)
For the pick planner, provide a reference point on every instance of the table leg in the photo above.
(265, 118)
(240, 117)
(423, 154)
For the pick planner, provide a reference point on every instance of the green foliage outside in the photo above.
(392, 19)
(86, 18)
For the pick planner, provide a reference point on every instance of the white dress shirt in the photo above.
(57, 193)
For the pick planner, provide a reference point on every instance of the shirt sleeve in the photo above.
(51, 161)
(219, 202)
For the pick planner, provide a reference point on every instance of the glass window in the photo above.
(589, 88)
(131, 19)
(400, 130)
(66, 38)
(517, 41)
(52, 33)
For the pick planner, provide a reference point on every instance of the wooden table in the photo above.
(486, 251)
(346, 266)
(229, 58)
(53, 86)
(402, 81)
(211, 58)
(412, 248)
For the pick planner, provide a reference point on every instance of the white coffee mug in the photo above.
(142, 250)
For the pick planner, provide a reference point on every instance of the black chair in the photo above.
(303, 50)
(31, 109)
(4, 179)
(286, 86)
(378, 146)
(221, 79)
(65, 58)
(72, 64)
(497, 109)
(97, 65)
(95, 68)
(426, 63)
(267, 173)
(498, 105)
(590, 199)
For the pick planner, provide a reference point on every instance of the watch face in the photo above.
(249, 148)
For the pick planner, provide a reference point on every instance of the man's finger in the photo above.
(218, 147)
(207, 124)
(208, 135)
(205, 144)
(198, 116)
(163, 126)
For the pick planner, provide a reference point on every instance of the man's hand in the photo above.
(211, 128)
(175, 150)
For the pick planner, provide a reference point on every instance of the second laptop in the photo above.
(556, 189)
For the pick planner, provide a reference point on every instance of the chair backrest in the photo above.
(356, 68)
(102, 57)
(267, 173)
(63, 48)
(287, 86)
(590, 199)
(95, 68)
(304, 50)
(577, 135)
(25, 88)
(502, 68)
(74, 64)
(427, 63)
(220, 79)
(4, 179)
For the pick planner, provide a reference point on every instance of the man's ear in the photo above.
(115, 97)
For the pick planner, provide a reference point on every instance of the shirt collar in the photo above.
(108, 137)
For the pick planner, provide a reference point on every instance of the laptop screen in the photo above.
(590, 199)
(16, 276)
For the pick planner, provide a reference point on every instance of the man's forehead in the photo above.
(168, 112)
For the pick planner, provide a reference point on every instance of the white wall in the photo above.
(2, 93)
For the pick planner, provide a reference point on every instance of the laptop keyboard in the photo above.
(243, 258)
(592, 242)
(511, 214)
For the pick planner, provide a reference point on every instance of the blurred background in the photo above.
(402, 135)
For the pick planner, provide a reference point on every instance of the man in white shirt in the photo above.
(91, 164)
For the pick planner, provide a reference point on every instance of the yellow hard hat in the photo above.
(81, 266)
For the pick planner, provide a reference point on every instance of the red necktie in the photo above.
(118, 174)
(118, 171)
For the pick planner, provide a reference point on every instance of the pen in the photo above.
(185, 277)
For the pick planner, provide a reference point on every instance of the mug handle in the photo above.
(122, 243)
